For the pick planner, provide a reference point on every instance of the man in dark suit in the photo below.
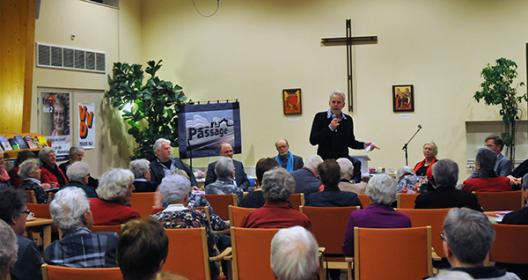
(333, 131)
(285, 158)
(241, 179)
(519, 217)
(164, 164)
(306, 178)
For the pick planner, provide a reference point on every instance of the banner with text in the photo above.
(86, 137)
(203, 127)
(55, 120)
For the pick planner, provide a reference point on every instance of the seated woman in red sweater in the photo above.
(486, 180)
(111, 206)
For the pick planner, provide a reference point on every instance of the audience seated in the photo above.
(347, 172)
(503, 165)
(444, 193)
(142, 250)
(76, 154)
(467, 239)
(29, 171)
(285, 158)
(4, 175)
(306, 178)
(111, 206)
(226, 150)
(519, 217)
(8, 250)
(485, 179)
(294, 254)
(381, 190)
(175, 191)
(277, 185)
(165, 165)
(13, 211)
(79, 174)
(225, 179)
(424, 167)
(331, 196)
(50, 171)
(79, 247)
(255, 199)
(16, 181)
(408, 182)
(452, 275)
(141, 170)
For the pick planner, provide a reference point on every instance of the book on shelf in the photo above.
(42, 141)
(13, 143)
(21, 143)
(5, 144)
(30, 141)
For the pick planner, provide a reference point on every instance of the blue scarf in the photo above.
(289, 164)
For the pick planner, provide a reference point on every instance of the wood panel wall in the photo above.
(17, 41)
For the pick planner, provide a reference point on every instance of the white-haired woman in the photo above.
(8, 250)
(50, 171)
(115, 188)
(29, 171)
(141, 170)
(381, 190)
(347, 172)
(425, 167)
(79, 247)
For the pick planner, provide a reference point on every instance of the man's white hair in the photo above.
(313, 162)
(114, 183)
(68, 207)
(158, 143)
(77, 171)
(294, 254)
(337, 93)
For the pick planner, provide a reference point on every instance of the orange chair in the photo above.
(188, 255)
(107, 228)
(40, 210)
(500, 201)
(237, 214)
(365, 200)
(55, 272)
(142, 202)
(221, 202)
(429, 217)
(251, 253)
(510, 244)
(406, 200)
(395, 253)
(296, 200)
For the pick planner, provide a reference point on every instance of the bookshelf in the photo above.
(12, 154)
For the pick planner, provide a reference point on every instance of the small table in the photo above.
(45, 224)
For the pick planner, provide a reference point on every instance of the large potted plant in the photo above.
(149, 106)
(498, 88)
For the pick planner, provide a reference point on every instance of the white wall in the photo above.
(251, 50)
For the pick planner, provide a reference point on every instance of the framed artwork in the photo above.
(291, 101)
(403, 98)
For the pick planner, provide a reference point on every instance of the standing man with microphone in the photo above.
(333, 131)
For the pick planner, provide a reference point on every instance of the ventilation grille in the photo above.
(52, 56)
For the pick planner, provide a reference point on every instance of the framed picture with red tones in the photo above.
(403, 98)
(291, 101)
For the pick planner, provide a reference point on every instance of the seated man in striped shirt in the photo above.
(79, 247)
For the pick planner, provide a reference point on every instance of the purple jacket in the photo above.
(374, 216)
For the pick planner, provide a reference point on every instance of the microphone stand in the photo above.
(190, 154)
(407, 144)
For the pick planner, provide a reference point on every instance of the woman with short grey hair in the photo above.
(485, 179)
(50, 171)
(381, 190)
(79, 247)
(29, 171)
(141, 170)
(277, 185)
(8, 250)
(347, 172)
(225, 179)
(425, 167)
(79, 175)
(111, 206)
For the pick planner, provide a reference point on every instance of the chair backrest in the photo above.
(429, 217)
(510, 244)
(40, 210)
(237, 214)
(500, 201)
(251, 253)
(406, 200)
(107, 228)
(30, 196)
(188, 255)
(365, 200)
(142, 202)
(221, 202)
(329, 225)
(403, 253)
(296, 200)
(55, 272)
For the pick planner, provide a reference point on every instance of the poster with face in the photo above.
(55, 121)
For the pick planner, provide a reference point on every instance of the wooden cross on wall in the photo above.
(349, 41)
